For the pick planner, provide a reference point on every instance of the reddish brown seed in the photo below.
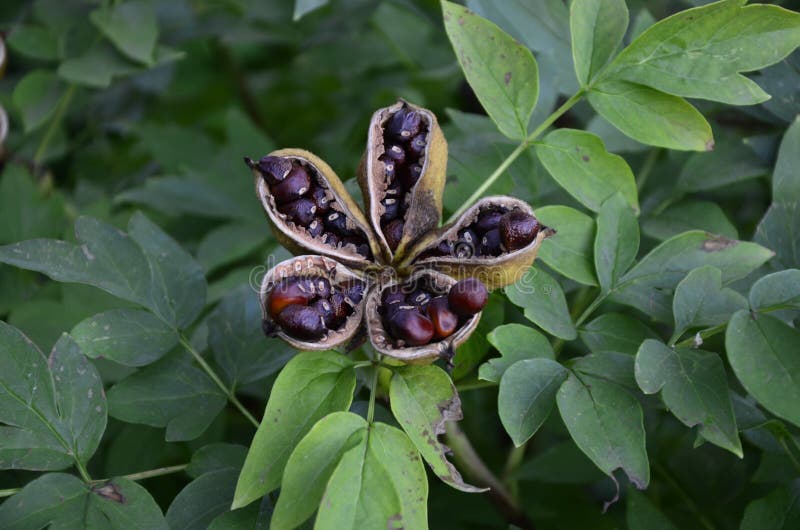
(394, 233)
(287, 292)
(411, 326)
(467, 297)
(295, 185)
(445, 321)
(300, 211)
(518, 230)
(302, 322)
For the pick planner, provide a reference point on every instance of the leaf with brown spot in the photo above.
(423, 398)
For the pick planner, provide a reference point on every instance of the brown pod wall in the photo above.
(297, 239)
(307, 267)
(424, 198)
(462, 260)
(384, 343)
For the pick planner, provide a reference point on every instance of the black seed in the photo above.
(294, 186)
(300, 211)
(321, 198)
(274, 169)
(392, 208)
(488, 221)
(301, 322)
(394, 153)
(404, 125)
(491, 244)
(316, 227)
(416, 146)
(409, 175)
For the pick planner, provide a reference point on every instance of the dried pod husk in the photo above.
(382, 339)
(301, 239)
(420, 178)
(466, 245)
(340, 277)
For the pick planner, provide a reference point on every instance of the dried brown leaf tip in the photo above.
(417, 290)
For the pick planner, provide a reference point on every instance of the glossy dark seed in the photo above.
(491, 244)
(325, 309)
(416, 146)
(300, 211)
(392, 207)
(301, 322)
(287, 292)
(331, 239)
(393, 232)
(445, 321)
(411, 327)
(518, 230)
(467, 297)
(404, 125)
(393, 295)
(316, 227)
(322, 287)
(337, 222)
(418, 298)
(354, 291)
(295, 185)
(409, 175)
(321, 198)
(488, 221)
(390, 170)
(274, 169)
(395, 154)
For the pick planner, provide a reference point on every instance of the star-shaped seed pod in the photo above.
(416, 290)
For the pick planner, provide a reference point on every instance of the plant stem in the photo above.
(513, 461)
(214, 377)
(9, 492)
(474, 385)
(150, 473)
(63, 104)
(464, 454)
(516, 153)
(589, 310)
(647, 167)
(373, 387)
(82, 470)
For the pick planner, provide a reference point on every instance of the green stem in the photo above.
(9, 492)
(589, 310)
(516, 153)
(373, 388)
(63, 104)
(214, 377)
(82, 470)
(789, 453)
(513, 461)
(474, 385)
(647, 168)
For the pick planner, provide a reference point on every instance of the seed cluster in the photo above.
(405, 137)
(308, 307)
(415, 317)
(495, 231)
(302, 196)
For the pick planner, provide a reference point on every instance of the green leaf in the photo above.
(616, 243)
(177, 282)
(700, 300)
(216, 457)
(379, 483)
(648, 285)
(779, 230)
(311, 465)
(131, 337)
(423, 398)
(699, 52)
(615, 332)
(304, 7)
(169, 393)
(36, 96)
(690, 215)
(651, 117)
(515, 342)
(229, 243)
(762, 351)
(641, 514)
(580, 164)
(202, 500)
(131, 27)
(238, 343)
(562, 463)
(608, 365)
(693, 387)
(96, 68)
(732, 160)
(542, 298)
(34, 41)
(26, 211)
(526, 397)
(780, 510)
(501, 71)
(606, 423)
(785, 186)
(57, 500)
(311, 386)
(597, 28)
(106, 258)
(52, 410)
(569, 251)
(780, 289)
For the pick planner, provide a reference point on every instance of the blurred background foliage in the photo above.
(116, 107)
